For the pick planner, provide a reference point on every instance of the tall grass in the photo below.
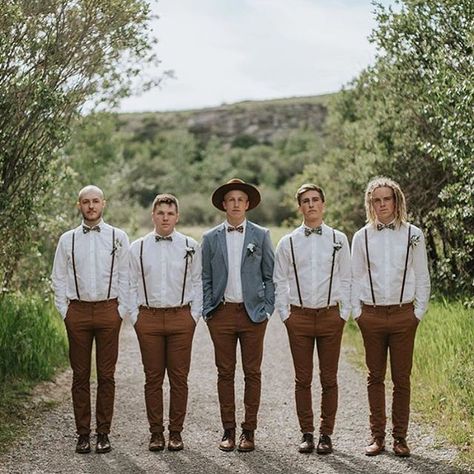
(443, 372)
(32, 338)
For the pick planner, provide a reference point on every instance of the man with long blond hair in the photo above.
(390, 293)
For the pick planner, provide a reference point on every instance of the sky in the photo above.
(226, 51)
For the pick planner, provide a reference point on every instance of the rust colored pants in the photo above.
(86, 322)
(165, 336)
(388, 328)
(229, 324)
(305, 328)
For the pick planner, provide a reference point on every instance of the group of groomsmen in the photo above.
(165, 281)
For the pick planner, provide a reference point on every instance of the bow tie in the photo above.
(86, 229)
(390, 226)
(240, 229)
(158, 238)
(316, 230)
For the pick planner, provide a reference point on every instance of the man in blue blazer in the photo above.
(238, 299)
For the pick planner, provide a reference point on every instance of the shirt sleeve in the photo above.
(59, 278)
(344, 264)
(135, 275)
(422, 278)
(281, 280)
(196, 281)
(123, 276)
(358, 267)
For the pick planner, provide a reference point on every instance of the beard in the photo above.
(94, 217)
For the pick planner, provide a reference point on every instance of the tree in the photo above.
(56, 56)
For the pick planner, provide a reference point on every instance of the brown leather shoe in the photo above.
(83, 445)
(246, 442)
(324, 445)
(157, 442)
(400, 447)
(228, 440)
(307, 443)
(175, 443)
(376, 447)
(103, 443)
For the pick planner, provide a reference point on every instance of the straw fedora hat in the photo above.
(236, 184)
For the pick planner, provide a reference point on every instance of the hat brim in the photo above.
(251, 191)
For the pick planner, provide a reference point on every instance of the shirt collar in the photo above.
(100, 223)
(244, 224)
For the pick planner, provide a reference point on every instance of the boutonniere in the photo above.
(251, 248)
(337, 246)
(115, 248)
(414, 240)
(190, 251)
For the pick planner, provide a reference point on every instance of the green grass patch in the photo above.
(33, 345)
(443, 372)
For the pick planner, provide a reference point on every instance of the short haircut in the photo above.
(398, 196)
(88, 189)
(165, 199)
(309, 187)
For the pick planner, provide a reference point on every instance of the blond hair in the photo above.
(309, 187)
(398, 196)
(165, 198)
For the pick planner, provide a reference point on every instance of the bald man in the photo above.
(90, 282)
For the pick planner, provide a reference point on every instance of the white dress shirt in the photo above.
(164, 264)
(93, 253)
(387, 254)
(235, 243)
(313, 258)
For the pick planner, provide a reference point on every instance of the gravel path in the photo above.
(50, 445)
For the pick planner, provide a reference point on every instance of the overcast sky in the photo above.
(224, 51)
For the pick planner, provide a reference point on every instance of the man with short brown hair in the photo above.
(166, 303)
(90, 282)
(312, 280)
(237, 268)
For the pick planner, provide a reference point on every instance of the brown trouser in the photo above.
(305, 327)
(386, 328)
(229, 324)
(165, 336)
(86, 321)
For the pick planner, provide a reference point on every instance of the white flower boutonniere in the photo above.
(116, 247)
(414, 240)
(337, 246)
(251, 248)
(190, 251)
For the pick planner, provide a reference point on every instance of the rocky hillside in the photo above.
(252, 122)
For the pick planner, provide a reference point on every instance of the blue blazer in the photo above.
(256, 271)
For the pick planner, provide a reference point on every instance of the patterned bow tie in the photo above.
(86, 229)
(158, 238)
(240, 229)
(316, 230)
(390, 226)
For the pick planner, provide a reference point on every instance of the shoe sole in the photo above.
(376, 453)
(103, 451)
(226, 450)
(161, 448)
(402, 455)
(323, 452)
(245, 450)
(176, 449)
(83, 451)
(306, 450)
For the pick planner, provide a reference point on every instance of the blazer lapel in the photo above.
(223, 244)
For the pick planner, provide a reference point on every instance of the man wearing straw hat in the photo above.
(238, 299)
(165, 305)
(312, 279)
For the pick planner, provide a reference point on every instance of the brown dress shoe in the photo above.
(175, 443)
(400, 447)
(307, 443)
(376, 447)
(228, 440)
(246, 442)
(103, 443)
(83, 445)
(157, 442)
(324, 445)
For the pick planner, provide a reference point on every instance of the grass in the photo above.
(32, 346)
(443, 372)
